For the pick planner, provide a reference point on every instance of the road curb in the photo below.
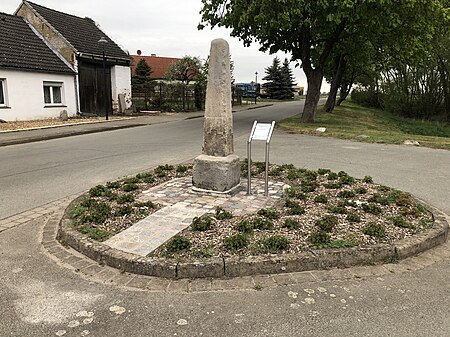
(230, 267)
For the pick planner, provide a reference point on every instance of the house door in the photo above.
(94, 85)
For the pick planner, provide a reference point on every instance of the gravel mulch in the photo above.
(322, 209)
(19, 125)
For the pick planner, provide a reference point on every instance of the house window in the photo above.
(53, 93)
(2, 92)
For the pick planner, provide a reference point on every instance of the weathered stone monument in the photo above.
(217, 169)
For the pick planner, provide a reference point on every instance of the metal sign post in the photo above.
(260, 131)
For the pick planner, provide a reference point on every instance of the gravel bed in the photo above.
(323, 210)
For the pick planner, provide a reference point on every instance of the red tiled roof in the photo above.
(159, 65)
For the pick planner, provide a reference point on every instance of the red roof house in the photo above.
(159, 65)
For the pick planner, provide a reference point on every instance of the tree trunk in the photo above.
(314, 79)
(335, 83)
(445, 80)
(345, 90)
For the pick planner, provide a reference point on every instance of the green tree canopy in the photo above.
(310, 30)
(185, 70)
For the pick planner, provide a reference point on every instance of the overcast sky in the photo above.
(165, 28)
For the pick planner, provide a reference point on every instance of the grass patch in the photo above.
(351, 121)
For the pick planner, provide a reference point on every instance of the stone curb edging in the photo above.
(254, 265)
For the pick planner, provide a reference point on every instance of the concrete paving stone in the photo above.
(178, 286)
(83, 264)
(92, 270)
(157, 284)
(441, 252)
(60, 254)
(106, 275)
(332, 274)
(198, 285)
(302, 277)
(411, 264)
(72, 260)
(123, 279)
(265, 281)
(363, 271)
(48, 235)
(426, 259)
(233, 283)
(139, 282)
(396, 268)
(284, 279)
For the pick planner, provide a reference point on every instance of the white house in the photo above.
(35, 82)
(85, 47)
(52, 61)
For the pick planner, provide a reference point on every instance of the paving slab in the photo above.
(151, 232)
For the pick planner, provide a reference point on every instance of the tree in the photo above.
(288, 80)
(185, 70)
(141, 82)
(274, 78)
(310, 30)
(280, 80)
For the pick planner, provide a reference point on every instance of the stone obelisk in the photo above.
(217, 169)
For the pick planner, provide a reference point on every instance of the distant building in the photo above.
(159, 65)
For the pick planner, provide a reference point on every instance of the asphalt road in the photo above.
(37, 173)
(39, 297)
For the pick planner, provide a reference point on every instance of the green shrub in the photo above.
(398, 221)
(347, 180)
(376, 230)
(94, 233)
(77, 211)
(360, 190)
(346, 194)
(333, 186)
(368, 179)
(222, 214)
(236, 242)
(338, 210)
(319, 239)
(205, 252)
(98, 191)
(383, 188)
(291, 224)
(294, 208)
(262, 223)
(372, 208)
(321, 199)
(290, 192)
(124, 210)
(165, 167)
(273, 244)
(181, 169)
(293, 175)
(342, 174)
(148, 180)
(379, 199)
(276, 172)
(332, 176)
(244, 227)
(307, 187)
(327, 223)
(269, 213)
(177, 244)
(323, 171)
(98, 213)
(125, 198)
(202, 223)
(131, 180)
(353, 217)
(113, 184)
(129, 187)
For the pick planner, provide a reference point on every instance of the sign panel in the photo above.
(262, 131)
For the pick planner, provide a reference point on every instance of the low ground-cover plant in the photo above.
(309, 215)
